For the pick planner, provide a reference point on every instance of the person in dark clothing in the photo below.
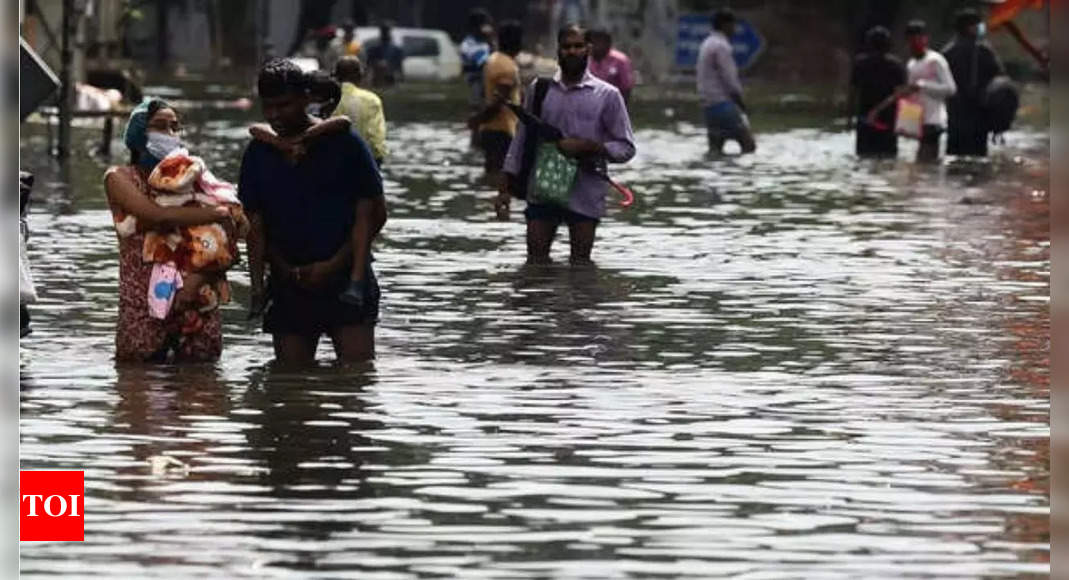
(974, 64)
(312, 225)
(875, 76)
(385, 58)
(324, 94)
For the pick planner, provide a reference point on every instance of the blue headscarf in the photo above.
(136, 135)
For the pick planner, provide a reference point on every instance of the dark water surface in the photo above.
(791, 365)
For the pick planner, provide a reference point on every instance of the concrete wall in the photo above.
(805, 42)
(283, 19)
(645, 31)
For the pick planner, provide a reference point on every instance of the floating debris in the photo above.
(161, 465)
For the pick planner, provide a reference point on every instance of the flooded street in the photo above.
(792, 365)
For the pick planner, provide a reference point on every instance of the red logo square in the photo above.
(51, 506)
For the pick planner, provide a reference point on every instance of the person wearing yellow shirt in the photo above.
(344, 44)
(363, 107)
(501, 83)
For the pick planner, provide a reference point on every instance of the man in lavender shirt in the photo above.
(592, 115)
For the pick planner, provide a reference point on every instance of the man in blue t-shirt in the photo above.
(313, 222)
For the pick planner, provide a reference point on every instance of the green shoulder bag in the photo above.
(553, 177)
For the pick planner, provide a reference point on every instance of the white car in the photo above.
(430, 55)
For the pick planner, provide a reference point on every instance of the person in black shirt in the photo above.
(875, 76)
(973, 64)
(313, 220)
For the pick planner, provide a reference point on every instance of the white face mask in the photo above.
(161, 144)
(981, 30)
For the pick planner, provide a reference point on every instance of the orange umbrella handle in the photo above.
(629, 196)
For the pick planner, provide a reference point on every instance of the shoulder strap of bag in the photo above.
(541, 88)
(518, 183)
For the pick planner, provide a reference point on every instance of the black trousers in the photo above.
(966, 129)
(872, 142)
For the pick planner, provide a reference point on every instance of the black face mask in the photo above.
(573, 65)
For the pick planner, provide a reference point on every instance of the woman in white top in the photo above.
(930, 78)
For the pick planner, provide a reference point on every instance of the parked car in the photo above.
(430, 55)
(306, 63)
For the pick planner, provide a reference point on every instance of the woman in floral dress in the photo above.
(187, 333)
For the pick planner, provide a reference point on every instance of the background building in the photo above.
(804, 40)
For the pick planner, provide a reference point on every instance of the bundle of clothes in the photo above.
(193, 256)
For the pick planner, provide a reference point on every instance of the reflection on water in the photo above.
(789, 363)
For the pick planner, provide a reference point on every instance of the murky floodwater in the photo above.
(789, 365)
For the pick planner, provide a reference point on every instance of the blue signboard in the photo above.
(693, 28)
(747, 44)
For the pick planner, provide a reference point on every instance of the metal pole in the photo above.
(66, 90)
(266, 48)
(257, 34)
(48, 125)
(162, 51)
(105, 139)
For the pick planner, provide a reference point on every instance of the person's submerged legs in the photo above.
(540, 234)
(725, 121)
(354, 343)
(713, 131)
(746, 141)
(581, 239)
(295, 350)
(928, 151)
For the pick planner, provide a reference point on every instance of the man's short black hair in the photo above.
(878, 39)
(567, 29)
(916, 28)
(722, 18)
(321, 87)
(279, 77)
(477, 17)
(510, 36)
(155, 105)
(966, 18)
(599, 32)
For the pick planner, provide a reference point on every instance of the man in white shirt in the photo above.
(931, 80)
(720, 89)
